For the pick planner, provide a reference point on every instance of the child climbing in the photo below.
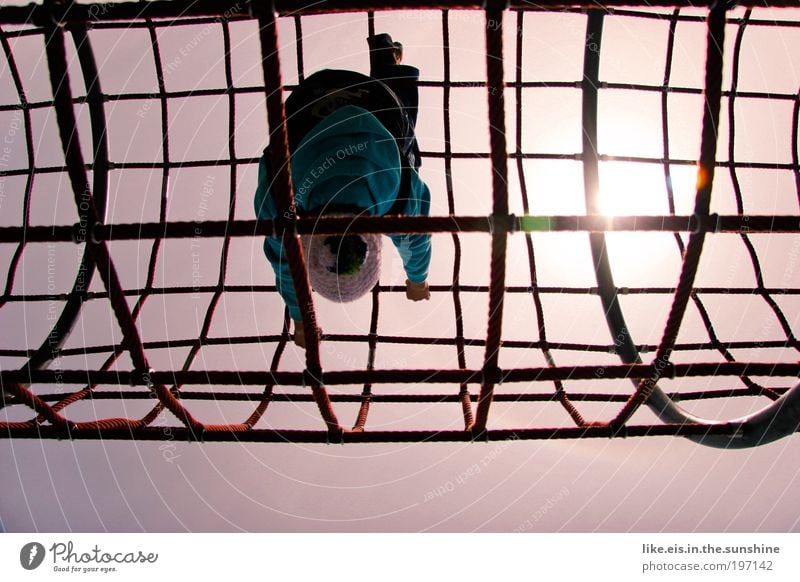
(353, 152)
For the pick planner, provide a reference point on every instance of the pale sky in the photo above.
(649, 484)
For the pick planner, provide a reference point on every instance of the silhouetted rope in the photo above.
(519, 384)
(705, 178)
(499, 230)
(536, 291)
(732, 430)
(269, 396)
(20, 239)
(90, 216)
(416, 340)
(405, 376)
(410, 224)
(67, 11)
(281, 188)
(459, 340)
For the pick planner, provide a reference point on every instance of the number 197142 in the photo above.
(753, 565)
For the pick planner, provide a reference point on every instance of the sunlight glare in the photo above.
(637, 189)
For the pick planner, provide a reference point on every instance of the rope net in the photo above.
(138, 304)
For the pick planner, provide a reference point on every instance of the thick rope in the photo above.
(409, 224)
(282, 188)
(715, 38)
(405, 376)
(499, 223)
(89, 216)
(95, 234)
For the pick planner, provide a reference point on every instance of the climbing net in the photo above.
(83, 361)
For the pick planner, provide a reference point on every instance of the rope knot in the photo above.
(491, 375)
(312, 376)
(142, 377)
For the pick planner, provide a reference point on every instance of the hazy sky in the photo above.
(653, 484)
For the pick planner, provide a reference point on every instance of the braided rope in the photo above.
(497, 138)
(19, 386)
(705, 179)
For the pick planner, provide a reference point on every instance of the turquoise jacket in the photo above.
(348, 159)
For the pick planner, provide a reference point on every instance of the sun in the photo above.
(640, 189)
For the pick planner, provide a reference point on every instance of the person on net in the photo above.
(353, 151)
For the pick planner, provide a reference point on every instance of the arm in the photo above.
(273, 249)
(415, 249)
